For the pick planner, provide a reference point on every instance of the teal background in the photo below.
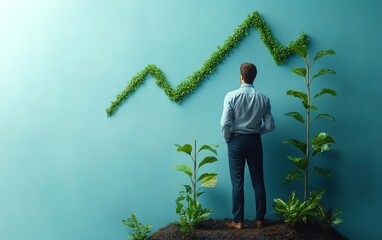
(69, 172)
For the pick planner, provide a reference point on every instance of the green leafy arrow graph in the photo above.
(278, 52)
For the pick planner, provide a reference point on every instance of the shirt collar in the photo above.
(246, 85)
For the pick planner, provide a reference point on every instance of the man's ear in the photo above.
(241, 79)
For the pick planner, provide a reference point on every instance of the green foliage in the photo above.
(296, 212)
(321, 142)
(190, 211)
(141, 231)
(328, 219)
(278, 52)
(299, 213)
(188, 207)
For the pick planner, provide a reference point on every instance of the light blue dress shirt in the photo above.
(246, 111)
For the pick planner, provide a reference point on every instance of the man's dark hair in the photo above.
(248, 71)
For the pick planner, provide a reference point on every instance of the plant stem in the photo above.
(307, 152)
(194, 183)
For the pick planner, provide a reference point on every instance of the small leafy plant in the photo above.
(328, 218)
(141, 231)
(188, 207)
(298, 213)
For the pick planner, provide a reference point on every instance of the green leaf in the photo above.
(322, 172)
(323, 148)
(179, 205)
(324, 53)
(299, 71)
(200, 194)
(321, 143)
(300, 145)
(205, 215)
(280, 205)
(184, 168)
(301, 50)
(312, 107)
(310, 205)
(205, 175)
(320, 139)
(325, 115)
(209, 159)
(326, 91)
(296, 115)
(300, 95)
(209, 180)
(279, 202)
(292, 198)
(186, 148)
(298, 162)
(317, 195)
(209, 148)
(322, 72)
(337, 221)
(187, 188)
(292, 176)
(131, 222)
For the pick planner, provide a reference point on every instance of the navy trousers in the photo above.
(246, 148)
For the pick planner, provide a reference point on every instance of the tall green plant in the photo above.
(321, 142)
(187, 205)
(294, 211)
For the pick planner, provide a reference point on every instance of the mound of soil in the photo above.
(217, 230)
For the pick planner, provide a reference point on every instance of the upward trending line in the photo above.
(278, 52)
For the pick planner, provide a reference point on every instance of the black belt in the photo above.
(238, 134)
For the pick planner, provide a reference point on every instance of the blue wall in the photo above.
(69, 172)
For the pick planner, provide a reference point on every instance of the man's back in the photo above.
(249, 106)
(245, 110)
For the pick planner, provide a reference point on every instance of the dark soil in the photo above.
(217, 230)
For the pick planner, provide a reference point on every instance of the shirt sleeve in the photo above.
(226, 119)
(268, 120)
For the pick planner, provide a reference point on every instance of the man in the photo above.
(246, 116)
